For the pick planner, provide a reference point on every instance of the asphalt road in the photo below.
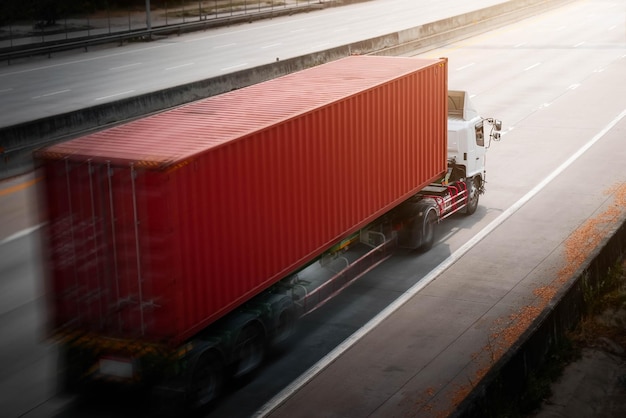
(556, 80)
(39, 87)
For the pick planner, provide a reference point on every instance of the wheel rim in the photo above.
(472, 203)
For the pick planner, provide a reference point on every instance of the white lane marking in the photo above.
(123, 67)
(256, 28)
(612, 27)
(45, 67)
(234, 66)
(20, 234)
(532, 66)
(271, 46)
(395, 305)
(5, 90)
(579, 44)
(465, 66)
(519, 45)
(574, 86)
(54, 93)
(224, 46)
(114, 95)
(179, 66)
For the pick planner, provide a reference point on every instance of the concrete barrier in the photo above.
(18, 141)
(507, 380)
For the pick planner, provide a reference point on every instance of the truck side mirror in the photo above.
(497, 125)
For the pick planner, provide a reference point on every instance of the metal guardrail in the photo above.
(49, 48)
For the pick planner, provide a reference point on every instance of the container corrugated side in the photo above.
(179, 246)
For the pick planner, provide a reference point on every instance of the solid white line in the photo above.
(579, 44)
(374, 322)
(20, 234)
(113, 95)
(5, 90)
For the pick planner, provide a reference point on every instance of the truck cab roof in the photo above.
(460, 106)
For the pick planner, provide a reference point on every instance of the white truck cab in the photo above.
(467, 143)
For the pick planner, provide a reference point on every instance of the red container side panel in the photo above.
(161, 226)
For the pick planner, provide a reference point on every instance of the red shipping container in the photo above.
(160, 226)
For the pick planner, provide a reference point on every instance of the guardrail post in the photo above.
(148, 17)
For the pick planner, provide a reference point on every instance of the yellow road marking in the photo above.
(19, 187)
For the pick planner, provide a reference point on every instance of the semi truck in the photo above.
(182, 246)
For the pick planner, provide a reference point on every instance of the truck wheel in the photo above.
(251, 347)
(72, 364)
(472, 199)
(206, 381)
(429, 226)
(285, 327)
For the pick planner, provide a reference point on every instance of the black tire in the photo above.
(206, 381)
(251, 347)
(429, 230)
(71, 366)
(473, 195)
(285, 327)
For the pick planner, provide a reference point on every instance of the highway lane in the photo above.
(508, 85)
(27, 362)
(540, 105)
(557, 95)
(39, 87)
